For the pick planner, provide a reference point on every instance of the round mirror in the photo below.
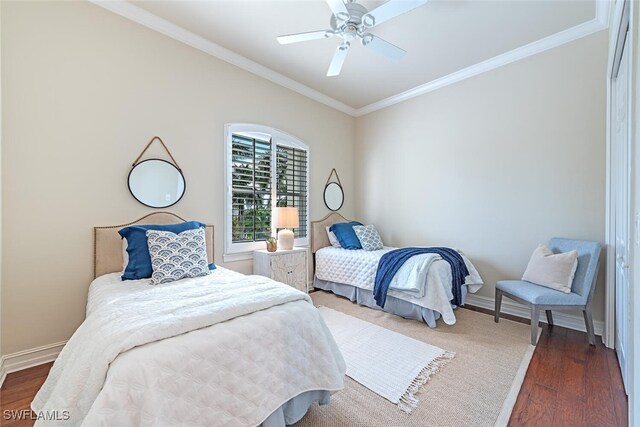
(333, 196)
(156, 183)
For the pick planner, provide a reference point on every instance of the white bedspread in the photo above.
(424, 280)
(220, 350)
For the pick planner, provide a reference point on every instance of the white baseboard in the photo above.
(28, 358)
(3, 373)
(511, 307)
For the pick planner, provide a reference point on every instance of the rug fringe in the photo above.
(408, 401)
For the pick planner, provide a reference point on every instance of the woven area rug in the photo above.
(386, 362)
(478, 387)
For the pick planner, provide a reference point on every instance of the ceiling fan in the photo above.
(352, 21)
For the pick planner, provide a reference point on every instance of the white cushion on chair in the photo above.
(554, 271)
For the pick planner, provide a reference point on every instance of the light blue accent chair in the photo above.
(543, 298)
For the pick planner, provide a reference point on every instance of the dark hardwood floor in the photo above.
(568, 383)
(16, 394)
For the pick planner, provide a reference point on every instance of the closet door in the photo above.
(620, 149)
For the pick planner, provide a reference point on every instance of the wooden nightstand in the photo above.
(288, 267)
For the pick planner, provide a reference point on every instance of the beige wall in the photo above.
(83, 91)
(495, 164)
(492, 165)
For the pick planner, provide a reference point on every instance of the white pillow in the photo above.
(554, 271)
(125, 254)
(333, 239)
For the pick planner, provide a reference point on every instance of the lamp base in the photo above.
(285, 239)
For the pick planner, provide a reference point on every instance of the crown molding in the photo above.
(149, 20)
(599, 23)
(154, 22)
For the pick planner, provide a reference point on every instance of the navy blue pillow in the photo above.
(139, 265)
(345, 234)
(212, 266)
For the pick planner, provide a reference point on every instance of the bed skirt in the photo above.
(392, 305)
(294, 409)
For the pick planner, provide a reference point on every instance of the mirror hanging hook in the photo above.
(333, 171)
(137, 160)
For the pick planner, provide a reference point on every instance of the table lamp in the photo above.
(286, 218)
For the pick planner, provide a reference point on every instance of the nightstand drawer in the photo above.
(289, 260)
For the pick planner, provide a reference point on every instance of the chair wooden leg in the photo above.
(549, 317)
(498, 303)
(535, 318)
(588, 321)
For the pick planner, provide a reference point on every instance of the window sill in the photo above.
(240, 256)
(248, 255)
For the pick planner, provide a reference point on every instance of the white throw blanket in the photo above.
(412, 276)
(78, 376)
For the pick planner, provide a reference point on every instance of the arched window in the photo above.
(265, 168)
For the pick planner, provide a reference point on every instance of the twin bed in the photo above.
(351, 274)
(224, 349)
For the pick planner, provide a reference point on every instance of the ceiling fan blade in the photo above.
(389, 10)
(383, 47)
(303, 37)
(339, 9)
(338, 60)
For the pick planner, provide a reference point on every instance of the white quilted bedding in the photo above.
(220, 350)
(358, 268)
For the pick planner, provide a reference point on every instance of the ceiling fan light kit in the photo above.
(351, 21)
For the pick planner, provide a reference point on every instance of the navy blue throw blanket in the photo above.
(391, 262)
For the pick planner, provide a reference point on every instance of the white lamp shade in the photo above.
(286, 218)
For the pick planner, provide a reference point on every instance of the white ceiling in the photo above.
(441, 37)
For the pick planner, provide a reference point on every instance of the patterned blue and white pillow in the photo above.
(369, 237)
(177, 256)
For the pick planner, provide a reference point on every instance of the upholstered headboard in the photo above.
(319, 237)
(107, 243)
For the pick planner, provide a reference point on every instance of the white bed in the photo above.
(351, 273)
(220, 350)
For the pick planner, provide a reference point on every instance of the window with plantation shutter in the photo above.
(251, 189)
(291, 181)
(265, 168)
